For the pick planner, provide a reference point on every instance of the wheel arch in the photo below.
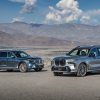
(85, 64)
(20, 63)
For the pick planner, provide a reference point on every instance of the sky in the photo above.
(50, 11)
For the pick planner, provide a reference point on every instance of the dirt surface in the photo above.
(44, 86)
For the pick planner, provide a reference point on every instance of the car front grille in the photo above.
(60, 62)
(37, 61)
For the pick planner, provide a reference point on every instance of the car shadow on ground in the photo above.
(68, 75)
(93, 73)
(17, 71)
(74, 75)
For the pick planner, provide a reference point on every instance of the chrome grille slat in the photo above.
(60, 62)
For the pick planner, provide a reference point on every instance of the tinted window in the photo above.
(94, 51)
(75, 52)
(21, 54)
(79, 52)
(98, 51)
(10, 55)
(3, 54)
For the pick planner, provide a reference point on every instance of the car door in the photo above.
(94, 61)
(98, 57)
(12, 60)
(3, 59)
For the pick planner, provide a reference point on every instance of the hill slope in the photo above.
(48, 35)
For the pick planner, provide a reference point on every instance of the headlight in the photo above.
(70, 60)
(30, 64)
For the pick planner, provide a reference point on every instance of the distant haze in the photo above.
(24, 34)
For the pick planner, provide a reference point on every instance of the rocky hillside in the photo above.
(24, 34)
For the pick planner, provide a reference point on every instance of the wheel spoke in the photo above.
(82, 70)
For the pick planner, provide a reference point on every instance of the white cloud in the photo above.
(17, 19)
(90, 17)
(85, 19)
(67, 11)
(19, 1)
(28, 5)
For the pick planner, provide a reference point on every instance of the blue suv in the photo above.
(19, 60)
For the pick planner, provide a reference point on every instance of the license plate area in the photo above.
(60, 68)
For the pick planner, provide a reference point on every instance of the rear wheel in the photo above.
(82, 70)
(23, 67)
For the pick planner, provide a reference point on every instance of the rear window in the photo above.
(3, 54)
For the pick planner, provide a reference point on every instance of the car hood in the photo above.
(30, 58)
(67, 57)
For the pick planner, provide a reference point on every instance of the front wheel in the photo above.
(23, 68)
(40, 69)
(36, 69)
(82, 70)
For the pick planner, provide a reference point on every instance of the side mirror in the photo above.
(66, 53)
(92, 55)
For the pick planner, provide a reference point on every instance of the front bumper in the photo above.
(66, 69)
(34, 66)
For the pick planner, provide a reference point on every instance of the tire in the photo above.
(36, 69)
(40, 69)
(23, 67)
(57, 73)
(82, 70)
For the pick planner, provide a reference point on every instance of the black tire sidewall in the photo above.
(36, 69)
(79, 74)
(25, 66)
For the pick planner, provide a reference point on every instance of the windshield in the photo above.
(79, 52)
(21, 54)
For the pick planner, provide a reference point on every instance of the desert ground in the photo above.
(44, 86)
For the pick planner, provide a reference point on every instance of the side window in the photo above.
(3, 54)
(84, 52)
(94, 50)
(10, 55)
(98, 51)
(75, 52)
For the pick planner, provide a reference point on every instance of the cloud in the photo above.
(90, 17)
(68, 11)
(65, 11)
(28, 5)
(17, 19)
(18, 1)
(85, 19)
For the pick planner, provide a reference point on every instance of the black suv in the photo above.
(13, 59)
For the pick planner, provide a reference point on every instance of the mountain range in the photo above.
(25, 34)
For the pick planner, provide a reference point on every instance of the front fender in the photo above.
(78, 62)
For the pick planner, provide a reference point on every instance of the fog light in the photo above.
(33, 66)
